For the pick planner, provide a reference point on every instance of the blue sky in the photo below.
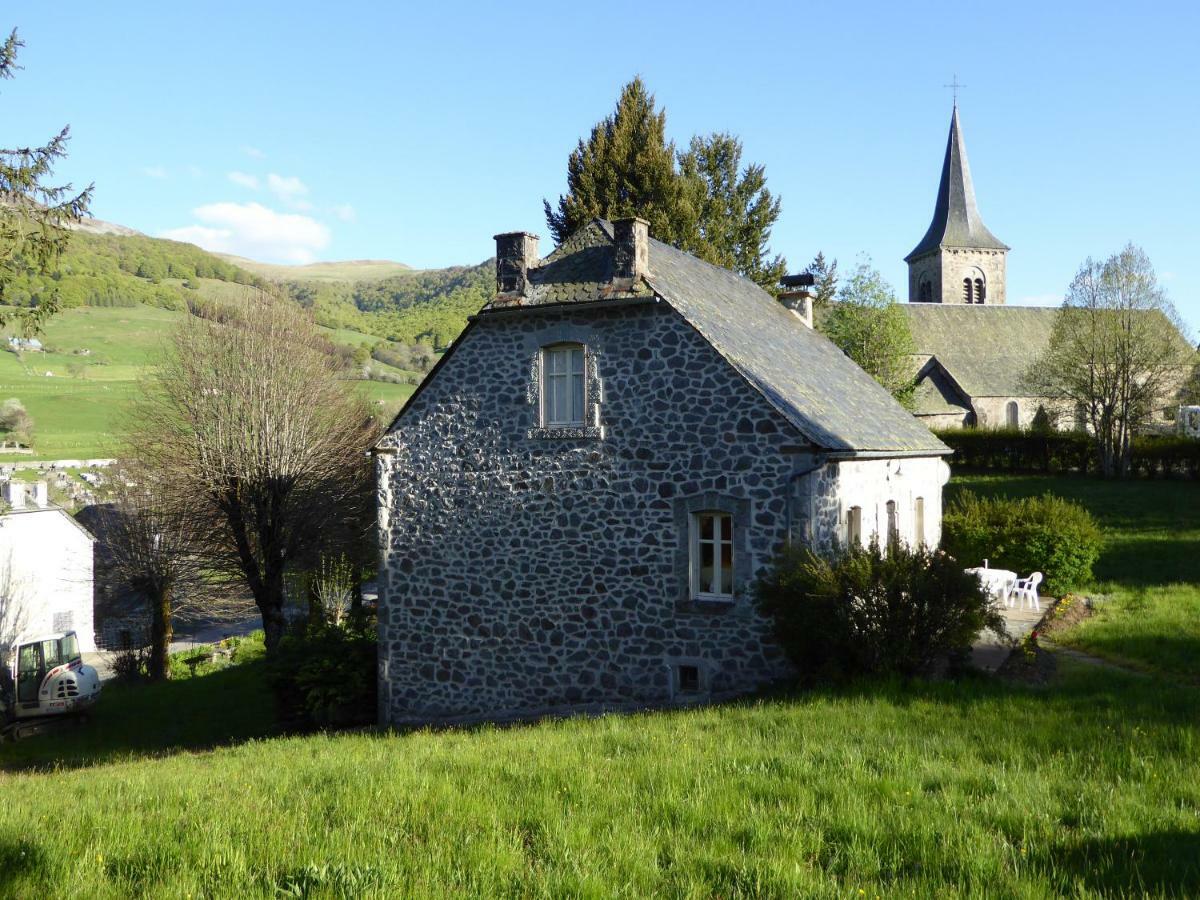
(297, 131)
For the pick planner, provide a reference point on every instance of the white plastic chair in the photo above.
(1026, 589)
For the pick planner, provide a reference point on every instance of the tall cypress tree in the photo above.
(33, 216)
(736, 211)
(626, 167)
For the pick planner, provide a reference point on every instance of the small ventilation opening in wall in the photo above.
(689, 679)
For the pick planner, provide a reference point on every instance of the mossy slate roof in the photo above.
(825, 395)
(986, 349)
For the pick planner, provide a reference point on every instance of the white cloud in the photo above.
(253, 152)
(244, 180)
(253, 230)
(345, 212)
(195, 171)
(291, 190)
(157, 172)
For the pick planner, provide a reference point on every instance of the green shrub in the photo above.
(1044, 534)
(865, 613)
(324, 675)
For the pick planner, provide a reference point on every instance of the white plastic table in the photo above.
(999, 582)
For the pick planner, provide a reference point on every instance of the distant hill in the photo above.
(110, 265)
(350, 270)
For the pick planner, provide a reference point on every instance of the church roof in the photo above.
(956, 220)
(825, 395)
(986, 349)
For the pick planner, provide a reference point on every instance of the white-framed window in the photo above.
(893, 523)
(564, 395)
(1012, 414)
(712, 556)
(854, 526)
(919, 521)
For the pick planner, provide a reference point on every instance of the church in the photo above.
(972, 347)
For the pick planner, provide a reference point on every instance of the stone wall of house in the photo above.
(527, 569)
(992, 412)
(947, 268)
(938, 421)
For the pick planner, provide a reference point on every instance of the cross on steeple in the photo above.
(955, 85)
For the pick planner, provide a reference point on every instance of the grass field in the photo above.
(78, 402)
(1087, 787)
(343, 271)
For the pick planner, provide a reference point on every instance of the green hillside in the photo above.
(121, 293)
(79, 401)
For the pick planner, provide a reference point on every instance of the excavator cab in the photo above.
(44, 678)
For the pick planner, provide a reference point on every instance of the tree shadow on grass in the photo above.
(1155, 864)
(20, 858)
(220, 708)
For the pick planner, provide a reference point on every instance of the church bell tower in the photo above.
(958, 260)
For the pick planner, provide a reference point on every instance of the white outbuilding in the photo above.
(45, 568)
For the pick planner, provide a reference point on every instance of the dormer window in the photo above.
(563, 389)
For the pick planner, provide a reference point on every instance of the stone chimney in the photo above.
(516, 254)
(632, 238)
(41, 495)
(14, 494)
(797, 296)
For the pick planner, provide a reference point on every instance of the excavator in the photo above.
(44, 684)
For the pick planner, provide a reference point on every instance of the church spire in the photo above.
(956, 220)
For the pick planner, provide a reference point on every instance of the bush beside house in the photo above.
(1044, 534)
(864, 612)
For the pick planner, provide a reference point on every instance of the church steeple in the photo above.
(957, 240)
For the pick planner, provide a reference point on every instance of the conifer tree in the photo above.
(33, 215)
(735, 210)
(626, 167)
(825, 274)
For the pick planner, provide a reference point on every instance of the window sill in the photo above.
(567, 433)
(714, 605)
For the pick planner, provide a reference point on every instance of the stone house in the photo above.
(45, 568)
(575, 502)
(972, 348)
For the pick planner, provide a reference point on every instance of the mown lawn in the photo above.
(1089, 786)
(1149, 569)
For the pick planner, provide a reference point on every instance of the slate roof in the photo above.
(936, 394)
(956, 220)
(826, 396)
(986, 349)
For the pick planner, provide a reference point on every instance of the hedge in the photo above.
(1031, 450)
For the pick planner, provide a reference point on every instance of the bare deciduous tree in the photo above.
(1115, 354)
(250, 421)
(155, 539)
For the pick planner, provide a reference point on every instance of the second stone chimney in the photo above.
(797, 296)
(632, 239)
(516, 254)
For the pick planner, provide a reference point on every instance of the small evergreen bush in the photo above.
(324, 674)
(1044, 534)
(865, 612)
